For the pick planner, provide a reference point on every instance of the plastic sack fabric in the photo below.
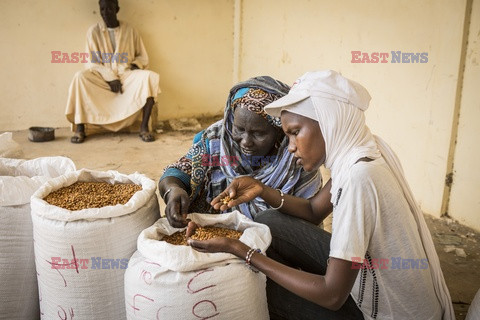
(9, 148)
(166, 281)
(81, 256)
(19, 179)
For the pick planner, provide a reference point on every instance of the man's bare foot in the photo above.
(78, 137)
(146, 136)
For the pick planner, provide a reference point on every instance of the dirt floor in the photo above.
(126, 153)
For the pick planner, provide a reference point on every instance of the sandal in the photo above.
(78, 137)
(146, 136)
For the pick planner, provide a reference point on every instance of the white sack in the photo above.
(19, 179)
(81, 256)
(165, 281)
(474, 309)
(8, 147)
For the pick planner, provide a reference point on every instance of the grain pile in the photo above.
(202, 233)
(83, 195)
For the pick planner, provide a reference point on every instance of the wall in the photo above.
(412, 103)
(189, 44)
(464, 198)
(200, 48)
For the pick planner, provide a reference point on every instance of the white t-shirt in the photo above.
(372, 222)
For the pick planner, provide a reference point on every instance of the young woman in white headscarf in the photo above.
(379, 262)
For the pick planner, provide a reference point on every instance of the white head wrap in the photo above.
(338, 105)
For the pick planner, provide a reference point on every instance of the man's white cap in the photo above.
(327, 84)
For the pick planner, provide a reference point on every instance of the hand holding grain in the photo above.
(242, 189)
(195, 232)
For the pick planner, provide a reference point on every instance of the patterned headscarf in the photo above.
(255, 100)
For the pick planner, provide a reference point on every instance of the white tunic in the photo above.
(90, 99)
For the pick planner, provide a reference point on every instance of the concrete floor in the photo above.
(126, 153)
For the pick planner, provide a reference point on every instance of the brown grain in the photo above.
(83, 195)
(226, 200)
(202, 233)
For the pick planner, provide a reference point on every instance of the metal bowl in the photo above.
(41, 134)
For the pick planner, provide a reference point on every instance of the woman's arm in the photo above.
(168, 183)
(174, 188)
(174, 194)
(314, 210)
(329, 291)
(244, 189)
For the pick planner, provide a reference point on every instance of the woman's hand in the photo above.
(191, 227)
(177, 204)
(220, 244)
(203, 245)
(242, 189)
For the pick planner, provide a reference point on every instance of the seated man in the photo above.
(115, 88)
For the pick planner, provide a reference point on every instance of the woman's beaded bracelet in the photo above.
(248, 258)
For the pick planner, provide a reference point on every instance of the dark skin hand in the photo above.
(177, 201)
(245, 188)
(115, 86)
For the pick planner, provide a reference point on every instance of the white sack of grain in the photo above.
(9, 148)
(81, 256)
(166, 281)
(19, 179)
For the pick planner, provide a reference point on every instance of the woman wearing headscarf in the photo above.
(246, 141)
(379, 262)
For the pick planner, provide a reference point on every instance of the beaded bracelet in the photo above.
(250, 254)
(283, 200)
(249, 257)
